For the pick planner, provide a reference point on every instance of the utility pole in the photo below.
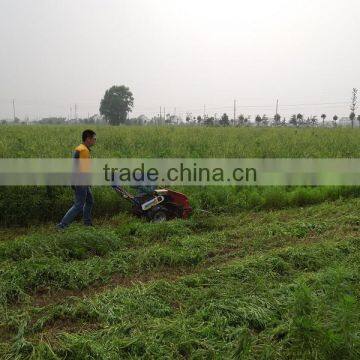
(204, 111)
(159, 120)
(277, 110)
(234, 112)
(13, 102)
(164, 115)
(76, 112)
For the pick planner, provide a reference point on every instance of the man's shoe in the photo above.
(60, 227)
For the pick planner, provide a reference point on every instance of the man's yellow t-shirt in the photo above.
(82, 152)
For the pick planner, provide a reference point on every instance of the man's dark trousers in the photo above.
(83, 203)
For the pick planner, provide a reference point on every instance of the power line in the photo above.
(318, 104)
(336, 105)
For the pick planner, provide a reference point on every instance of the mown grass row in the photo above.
(80, 258)
(298, 302)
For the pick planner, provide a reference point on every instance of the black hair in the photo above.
(87, 134)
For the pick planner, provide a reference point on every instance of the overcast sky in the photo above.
(179, 54)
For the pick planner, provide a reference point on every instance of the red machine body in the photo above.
(160, 205)
(181, 201)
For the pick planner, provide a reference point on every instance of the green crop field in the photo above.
(173, 141)
(262, 273)
(28, 205)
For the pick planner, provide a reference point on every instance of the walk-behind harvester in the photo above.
(158, 205)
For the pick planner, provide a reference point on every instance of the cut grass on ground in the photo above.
(277, 284)
(81, 258)
(297, 302)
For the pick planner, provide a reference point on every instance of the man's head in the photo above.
(89, 138)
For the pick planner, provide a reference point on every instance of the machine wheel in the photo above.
(159, 215)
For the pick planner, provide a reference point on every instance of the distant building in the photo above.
(142, 119)
(173, 120)
(94, 119)
(98, 119)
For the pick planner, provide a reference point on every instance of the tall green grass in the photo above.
(166, 141)
(29, 205)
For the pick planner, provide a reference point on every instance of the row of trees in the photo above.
(118, 102)
(264, 120)
(224, 120)
(56, 121)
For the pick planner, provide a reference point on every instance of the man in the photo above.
(83, 196)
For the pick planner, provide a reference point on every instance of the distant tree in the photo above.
(209, 121)
(258, 120)
(224, 121)
(117, 102)
(353, 106)
(3, 122)
(167, 119)
(314, 120)
(323, 116)
(277, 119)
(352, 118)
(300, 118)
(358, 119)
(54, 120)
(199, 119)
(335, 118)
(293, 120)
(241, 120)
(265, 120)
